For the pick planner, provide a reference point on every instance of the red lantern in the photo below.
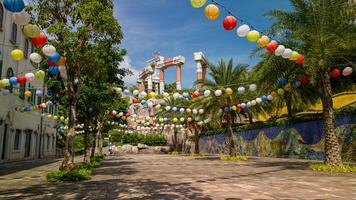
(127, 115)
(51, 63)
(238, 106)
(195, 94)
(335, 73)
(40, 40)
(300, 59)
(21, 80)
(305, 80)
(229, 22)
(272, 46)
(134, 100)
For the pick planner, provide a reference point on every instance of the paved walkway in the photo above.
(177, 177)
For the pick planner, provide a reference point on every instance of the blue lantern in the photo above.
(264, 98)
(227, 109)
(143, 102)
(174, 109)
(14, 5)
(13, 80)
(282, 81)
(185, 94)
(27, 109)
(53, 70)
(49, 93)
(55, 57)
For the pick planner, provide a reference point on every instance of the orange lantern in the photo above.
(28, 94)
(212, 12)
(61, 62)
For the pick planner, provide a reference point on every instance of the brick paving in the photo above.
(182, 177)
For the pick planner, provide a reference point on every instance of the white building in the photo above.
(21, 136)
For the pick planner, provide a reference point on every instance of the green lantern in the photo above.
(198, 3)
(40, 74)
(31, 31)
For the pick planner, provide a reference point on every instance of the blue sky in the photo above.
(174, 27)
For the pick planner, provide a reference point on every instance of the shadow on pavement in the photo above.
(13, 167)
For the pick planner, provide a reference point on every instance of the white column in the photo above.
(149, 83)
(161, 86)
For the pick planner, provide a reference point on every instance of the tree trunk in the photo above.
(87, 145)
(196, 139)
(99, 136)
(289, 107)
(230, 134)
(68, 160)
(332, 149)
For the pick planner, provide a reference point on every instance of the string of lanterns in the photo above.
(212, 12)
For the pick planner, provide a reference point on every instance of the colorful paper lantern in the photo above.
(14, 5)
(21, 18)
(335, 72)
(136, 92)
(347, 71)
(13, 80)
(212, 12)
(28, 94)
(253, 36)
(49, 50)
(272, 46)
(243, 30)
(168, 108)
(241, 90)
(207, 93)
(294, 56)
(39, 93)
(40, 40)
(229, 22)
(234, 108)
(228, 91)
(31, 30)
(55, 57)
(300, 59)
(61, 61)
(189, 110)
(17, 54)
(53, 70)
(195, 94)
(175, 120)
(253, 102)
(253, 87)
(30, 76)
(263, 41)
(158, 106)
(40, 74)
(201, 111)
(282, 81)
(35, 57)
(4, 82)
(297, 84)
(287, 53)
(218, 93)
(305, 80)
(280, 50)
(174, 109)
(197, 3)
(280, 92)
(21, 80)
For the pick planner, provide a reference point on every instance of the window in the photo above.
(1, 15)
(22, 91)
(9, 74)
(17, 140)
(48, 141)
(53, 140)
(26, 47)
(13, 33)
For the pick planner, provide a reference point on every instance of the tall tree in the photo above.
(76, 28)
(325, 32)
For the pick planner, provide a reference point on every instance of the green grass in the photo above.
(75, 175)
(328, 168)
(196, 154)
(233, 158)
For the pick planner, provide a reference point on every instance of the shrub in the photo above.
(134, 138)
(233, 158)
(97, 157)
(328, 168)
(175, 153)
(197, 154)
(74, 175)
(83, 165)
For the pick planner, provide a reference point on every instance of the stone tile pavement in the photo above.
(182, 177)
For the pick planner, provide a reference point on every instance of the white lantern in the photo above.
(150, 104)
(241, 90)
(253, 87)
(200, 123)
(287, 53)
(121, 114)
(207, 93)
(189, 119)
(176, 95)
(143, 94)
(253, 102)
(270, 97)
(201, 111)
(21, 18)
(35, 57)
(243, 30)
(258, 100)
(181, 110)
(49, 50)
(243, 105)
(195, 111)
(135, 92)
(189, 110)
(168, 108)
(280, 50)
(30, 77)
(114, 112)
(207, 120)
(248, 104)
(166, 95)
(182, 119)
(218, 93)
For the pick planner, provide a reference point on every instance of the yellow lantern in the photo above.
(49, 116)
(212, 12)
(152, 94)
(253, 36)
(31, 31)
(17, 54)
(175, 120)
(55, 117)
(280, 91)
(228, 91)
(28, 94)
(294, 56)
(158, 106)
(198, 3)
(263, 41)
(288, 87)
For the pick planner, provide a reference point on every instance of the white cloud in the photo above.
(132, 79)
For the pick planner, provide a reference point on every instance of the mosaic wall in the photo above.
(301, 140)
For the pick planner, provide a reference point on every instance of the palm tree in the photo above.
(325, 31)
(224, 75)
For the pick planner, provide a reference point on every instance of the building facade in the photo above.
(23, 135)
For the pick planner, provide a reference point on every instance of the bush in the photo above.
(120, 138)
(197, 154)
(83, 165)
(75, 175)
(328, 168)
(97, 157)
(233, 158)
